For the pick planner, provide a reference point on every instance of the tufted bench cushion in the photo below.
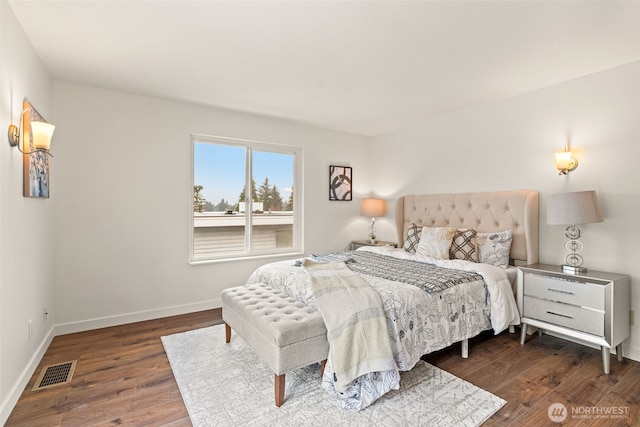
(284, 332)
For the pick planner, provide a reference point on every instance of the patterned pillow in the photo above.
(463, 245)
(435, 242)
(493, 248)
(412, 239)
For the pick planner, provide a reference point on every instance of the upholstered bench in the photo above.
(284, 332)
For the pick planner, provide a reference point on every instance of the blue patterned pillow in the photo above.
(413, 239)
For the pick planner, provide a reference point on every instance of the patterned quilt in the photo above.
(428, 277)
(418, 321)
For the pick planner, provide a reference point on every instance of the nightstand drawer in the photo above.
(575, 293)
(580, 319)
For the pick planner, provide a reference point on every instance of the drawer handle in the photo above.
(566, 316)
(560, 291)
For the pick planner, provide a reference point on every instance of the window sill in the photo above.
(246, 258)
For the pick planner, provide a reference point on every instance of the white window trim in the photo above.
(298, 200)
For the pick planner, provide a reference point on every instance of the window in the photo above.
(227, 223)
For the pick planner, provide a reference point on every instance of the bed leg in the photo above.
(227, 333)
(322, 365)
(512, 329)
(279, 389)
(465, 349)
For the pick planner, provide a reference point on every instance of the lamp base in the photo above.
(573, 270)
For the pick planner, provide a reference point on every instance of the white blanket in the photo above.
(356, 323)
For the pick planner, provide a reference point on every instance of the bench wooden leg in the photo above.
(279, 389)
(322, 365)
(227, 330)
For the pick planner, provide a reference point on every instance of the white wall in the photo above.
(26, 224)
(510, 145)
(124, 199)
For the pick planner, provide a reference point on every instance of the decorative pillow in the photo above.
(463, 245)
(412, 239)
(493, 248)
(435, 242)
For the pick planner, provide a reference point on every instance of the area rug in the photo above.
(229, 385)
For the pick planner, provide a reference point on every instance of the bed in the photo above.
(429, 301)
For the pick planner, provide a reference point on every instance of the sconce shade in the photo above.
(41, 133)
(573, 208)
(564, 162)
(373, 207)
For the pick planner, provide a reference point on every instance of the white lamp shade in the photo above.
(564, 160)
(373, 207)
(573, 208)
(41, 132)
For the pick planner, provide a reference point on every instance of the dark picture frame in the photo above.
(340, 183)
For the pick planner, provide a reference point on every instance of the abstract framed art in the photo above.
(36, 164)
(340, 183)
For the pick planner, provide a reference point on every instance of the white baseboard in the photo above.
(86, 325)
(139, 316)
(18, 387)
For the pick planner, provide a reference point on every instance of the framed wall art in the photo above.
(36, 164)
(340, 183)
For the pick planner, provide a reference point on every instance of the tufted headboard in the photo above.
(484, 212)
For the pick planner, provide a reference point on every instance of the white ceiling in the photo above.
(362, 67)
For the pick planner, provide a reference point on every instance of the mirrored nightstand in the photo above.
(355, 244)
(592, 307)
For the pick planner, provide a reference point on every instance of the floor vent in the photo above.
(55, 375)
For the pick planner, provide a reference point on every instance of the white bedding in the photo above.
(418, 322)
(504, 310)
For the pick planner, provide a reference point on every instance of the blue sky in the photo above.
(220, 170)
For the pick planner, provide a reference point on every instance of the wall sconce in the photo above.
(564, 162)
(41, 133)
(373, 208)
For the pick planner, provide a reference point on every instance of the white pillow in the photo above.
(493, 248)
(436, 241)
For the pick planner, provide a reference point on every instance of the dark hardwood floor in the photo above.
(123, 377)
(547, 370)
